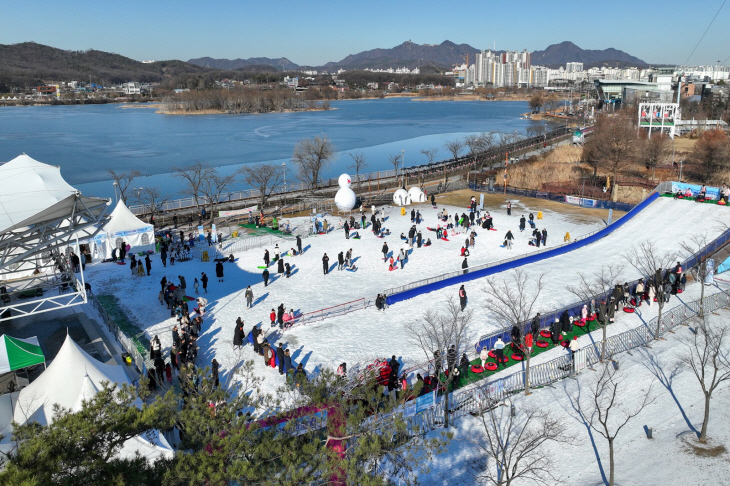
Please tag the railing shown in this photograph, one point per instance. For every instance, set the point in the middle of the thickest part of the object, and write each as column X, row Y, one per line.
column 125, row 341
column 486, row 396
column 447, row 164
column 334, row 311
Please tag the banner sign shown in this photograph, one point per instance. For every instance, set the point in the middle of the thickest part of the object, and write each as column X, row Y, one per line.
column 201, row 233
column 236, row 212
column 424, row 402
column 581, row 201
column 712, row 192
column 214, row 233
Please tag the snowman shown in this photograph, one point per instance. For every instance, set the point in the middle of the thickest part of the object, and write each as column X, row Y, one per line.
column 345, row 198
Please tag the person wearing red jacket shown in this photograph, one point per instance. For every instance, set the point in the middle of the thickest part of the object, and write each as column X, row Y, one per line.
column 462, row 297
column 272, row 316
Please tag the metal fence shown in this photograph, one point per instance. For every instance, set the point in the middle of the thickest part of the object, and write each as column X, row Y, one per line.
column 485, row 396
column 334, row 311
column 125, row 341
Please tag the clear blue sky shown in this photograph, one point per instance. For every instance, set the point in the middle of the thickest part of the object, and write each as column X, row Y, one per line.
column 312, row 33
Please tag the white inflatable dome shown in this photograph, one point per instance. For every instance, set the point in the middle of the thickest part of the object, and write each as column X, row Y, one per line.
column 416, row 195
column 344, row 180
column 401, row 198
column 345, row 199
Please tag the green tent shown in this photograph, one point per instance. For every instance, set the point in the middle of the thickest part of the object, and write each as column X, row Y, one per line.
column 16, row 353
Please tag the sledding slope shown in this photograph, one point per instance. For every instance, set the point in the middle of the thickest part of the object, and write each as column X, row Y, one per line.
column 498, row 267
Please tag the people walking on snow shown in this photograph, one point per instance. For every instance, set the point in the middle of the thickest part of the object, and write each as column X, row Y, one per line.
column 462, row 297
column 265, row 276
column 148, row 263
column 238, row 334
column 464, row 266
column 204, row 280
column 280, row 265
column 340, row 261
column 219, row 271
column 508, row 239
column 346, row 227
column 299, row 244
column 266, row 258
column 249, row 297
column 509, row 208
column 287, row 269
column 522, row 223
column 325, row 263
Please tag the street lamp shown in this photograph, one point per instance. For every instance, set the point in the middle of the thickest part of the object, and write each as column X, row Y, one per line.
column 115, row 191
column 403, row 165
column 283, row 166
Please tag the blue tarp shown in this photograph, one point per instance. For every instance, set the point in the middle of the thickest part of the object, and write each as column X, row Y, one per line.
column 473, row 275
column 724, row 266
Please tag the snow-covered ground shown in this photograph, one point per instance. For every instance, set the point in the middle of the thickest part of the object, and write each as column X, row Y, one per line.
column 363, row 335
column 664, row 460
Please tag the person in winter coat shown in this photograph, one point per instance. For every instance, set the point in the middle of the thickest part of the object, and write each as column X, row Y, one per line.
column 299, row 244
column 325, row 264
column 249, row 297
column 544, row 237
column 287, row 362
column 204, row 280
column 602, row 318
column 238, row 334
column 347, row 230
column 573, row 348
column 565, row 322
column 340, row 260
column 258, row 341
column 148, row 263
column 287, row 270
column 214, row 371
column 280, row 315
column 584, row 313
column 267, row 259
column 464, row 266
column 509, row 208
column 462, row 297
column 394, row 366
column 464, row 365
column 499, row 351
column 535, row 327
column 155, row 348
column 419, row 239
column 484, row 355
column 555, row 331
column 433, row 200
column 402, row 256
column 522, row 223
column 219, row 271
column 516, row 335
column 280, row 263
column 280, row 357
column 384, row 251
column 639, row 292
column 196, row 284
column 610, row 311
column 508, row 239
column 266, row 348
column 451, row 358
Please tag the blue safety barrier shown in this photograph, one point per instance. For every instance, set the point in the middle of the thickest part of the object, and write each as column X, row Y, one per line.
column 509, row 265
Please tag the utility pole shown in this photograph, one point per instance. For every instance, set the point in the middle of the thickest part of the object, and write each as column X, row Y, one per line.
column 506, row 160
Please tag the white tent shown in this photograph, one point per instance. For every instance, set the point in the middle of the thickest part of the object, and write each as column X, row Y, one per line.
column 125, row 226
column 72, row 377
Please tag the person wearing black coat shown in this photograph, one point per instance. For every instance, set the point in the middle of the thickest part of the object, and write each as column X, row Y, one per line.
column 325, row 263
column 522, row 223
column 462, row 297
column 280, row 262
column 602, row 317
column 219, row 271
column 544, row 237
column 299, row 244
column 555, row 332
column 347, row 230
column 413, row 215
column 340, row 260
column 419, row 239
column 287, row 361
column 464, row 266
column 163, row 283
column 238, row 334
column 610, row 311
column 464, row 365
column 451, row 358
column 280, row 357
column 394, row 367
column 266, row 258
column 287, row 270
column 535, row 327
column 148, row 263
column 385, row 251
column 214, row 369
column 565, row 324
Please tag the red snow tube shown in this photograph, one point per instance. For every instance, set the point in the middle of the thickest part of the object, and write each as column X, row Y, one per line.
column 505, row 359
column 491, row 366
column 542, row 344
column 545, row 333
column 654, row 299
column 633, row 301
column 579, row 323
column 565, row 344
column 720, row 202
column 517, row 357
column 477, row 369
column 629, row 309
column 272, row 361
column 679, row 291
column 492, row 354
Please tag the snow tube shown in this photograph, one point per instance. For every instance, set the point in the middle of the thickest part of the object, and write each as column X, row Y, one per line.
column 272, row 361
column 629, row 309
column 654, row 299
column 565, row 344
column 491, row 366
column 517, row 357
column 262, row 267
column 477, row 369
column 286, row 318
column 505, row 359
column 542, row 344
column 579, row 323
column 121, row 263
column 545, row 333
column 492, row 354
column 445, row 239
column 679, row 291
column 633, row 301
column 249, row 338
column 192, row 299
column 720, row 202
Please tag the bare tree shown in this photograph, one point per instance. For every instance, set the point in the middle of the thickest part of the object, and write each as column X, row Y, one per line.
column 264, row 177
column 653, row 151
column 612, row 145
column 454, row 146
column 395, row 162
column 707, row 354
column 123, row 180
column 536, row 102
column 193, row 175
column 692, row 246
column 513, row 299
column 517, row 445
column 311, row 156
column 475, row 144
column 358, row 163
column 607, row 410
column 430, row 154
column 647, row 259
column 150, row 198
column 437, row 332
column 596, row 287
column 213, row 187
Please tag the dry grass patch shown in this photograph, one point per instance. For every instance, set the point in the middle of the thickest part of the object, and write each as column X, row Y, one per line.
column 560, row 164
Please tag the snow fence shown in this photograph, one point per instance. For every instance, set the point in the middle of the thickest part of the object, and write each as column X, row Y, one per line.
column 414, row 289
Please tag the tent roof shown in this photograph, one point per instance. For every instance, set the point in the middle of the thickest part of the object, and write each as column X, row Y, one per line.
column 32, row 192
column 122, row 219
column 71, row 376
column 16, row 353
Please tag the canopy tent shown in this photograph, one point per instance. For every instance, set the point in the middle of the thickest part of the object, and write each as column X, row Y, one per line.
column 16, row 353
column 125, row 226
column 72, row 377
